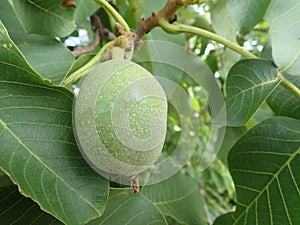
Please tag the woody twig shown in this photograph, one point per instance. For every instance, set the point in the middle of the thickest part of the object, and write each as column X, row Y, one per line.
column 166, row 13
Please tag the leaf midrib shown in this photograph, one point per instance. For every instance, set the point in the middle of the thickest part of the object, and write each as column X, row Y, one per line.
column 46, row 166
column 242, row 92
column 275, row 177
column 46, row 11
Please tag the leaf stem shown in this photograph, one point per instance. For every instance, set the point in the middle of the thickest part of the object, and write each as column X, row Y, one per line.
column 114, row 13
column 181, row 28
column 85, row 68
column 289, row 85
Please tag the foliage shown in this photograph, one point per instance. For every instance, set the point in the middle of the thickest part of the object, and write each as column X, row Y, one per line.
column 253, row 180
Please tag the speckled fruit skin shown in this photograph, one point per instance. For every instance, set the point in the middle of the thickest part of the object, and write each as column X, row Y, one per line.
column 120, row 118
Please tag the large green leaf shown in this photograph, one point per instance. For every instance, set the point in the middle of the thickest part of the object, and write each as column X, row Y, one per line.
column 45, row 17
column 249, row 83
column 19, row 210
column 38, row 149
column 265, row 165
column 46, row 55
column 222, row 21
column 177, row 197
column 247, row 13
column 284, row 18
column 127, row 208
column 285, row 103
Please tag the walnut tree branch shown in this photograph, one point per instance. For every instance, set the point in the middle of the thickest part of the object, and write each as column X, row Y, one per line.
column 165, row 18
column 166, row 13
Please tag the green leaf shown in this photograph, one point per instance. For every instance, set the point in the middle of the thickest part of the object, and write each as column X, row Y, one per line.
column 222, row 21
column 223, row 25
column 46, row 55
column 177, row 197
column 4, row 180
column 131, row 10
column 83, row 10
column 265, row 165
column 285, row 103
column 124, row 207
column 45, row 17
column 247, row 13
column 17, row 209
column 202, row 21
column 38, row 149
column 81, row 61
column 224, row 219
column 249, row 84
column 232, row 134
column 284, row 18
column 263, row 113
column 152, row 5
column 82, row 13
column 153, row 58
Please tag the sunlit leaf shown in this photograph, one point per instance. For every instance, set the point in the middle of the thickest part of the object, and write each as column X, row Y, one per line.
column 222, row 21
column 284, row 18
column 247, row 13
column 45, row 17
column 83, row 10
column 249, row 84
column 45, row 54
column 265, row 165
column 223, row 25
column 82, row 13
column 38, row 149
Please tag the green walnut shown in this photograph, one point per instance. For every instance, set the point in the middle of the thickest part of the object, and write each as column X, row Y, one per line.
column 120, row 117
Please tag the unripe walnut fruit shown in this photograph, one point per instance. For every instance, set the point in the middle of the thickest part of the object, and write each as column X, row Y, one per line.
column 120, row 117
